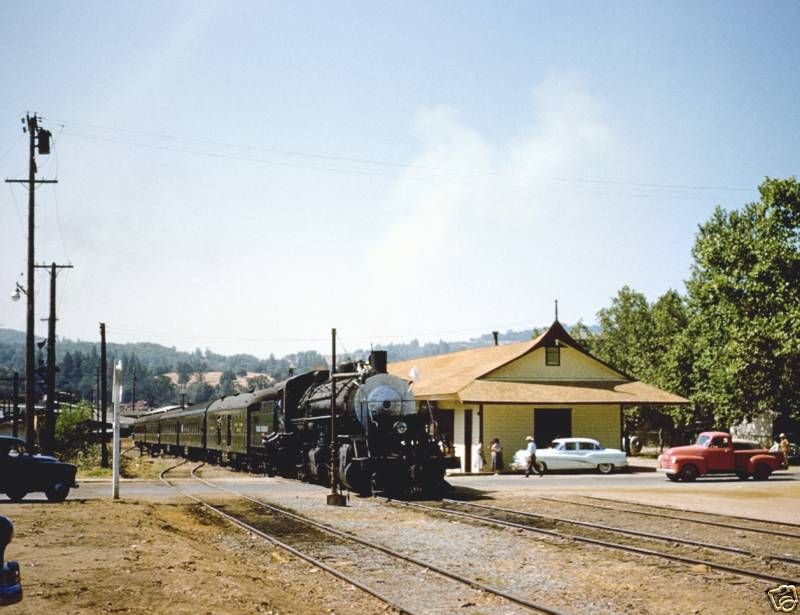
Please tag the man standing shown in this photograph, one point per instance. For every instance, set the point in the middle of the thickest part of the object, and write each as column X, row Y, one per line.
column 783, row 445
column 532, row 458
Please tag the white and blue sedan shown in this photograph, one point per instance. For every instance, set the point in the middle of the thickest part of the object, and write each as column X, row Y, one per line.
column 574, row 454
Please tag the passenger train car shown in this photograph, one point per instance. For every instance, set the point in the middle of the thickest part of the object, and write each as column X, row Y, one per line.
column 382, row 443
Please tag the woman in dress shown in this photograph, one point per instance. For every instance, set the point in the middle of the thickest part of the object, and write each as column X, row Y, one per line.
column 477, row 458
column 497, row 456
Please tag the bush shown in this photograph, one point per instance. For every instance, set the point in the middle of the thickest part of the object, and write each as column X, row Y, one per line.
column 74, row 430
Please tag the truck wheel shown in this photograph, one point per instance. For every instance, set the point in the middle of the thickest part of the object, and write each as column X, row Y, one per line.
column 16, row 495
column 57, row 492
column 674, row 477
column 762, row 472
column 689, row 473
column 605, row 468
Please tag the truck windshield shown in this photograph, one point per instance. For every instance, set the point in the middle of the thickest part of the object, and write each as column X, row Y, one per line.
column 702, row 439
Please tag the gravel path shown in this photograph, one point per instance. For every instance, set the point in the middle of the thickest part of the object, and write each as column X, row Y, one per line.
column 559, row 573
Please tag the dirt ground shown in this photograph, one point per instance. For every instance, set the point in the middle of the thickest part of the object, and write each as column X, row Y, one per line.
column 99, row 556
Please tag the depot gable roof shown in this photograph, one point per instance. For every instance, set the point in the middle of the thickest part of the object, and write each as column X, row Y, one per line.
column 510, row 373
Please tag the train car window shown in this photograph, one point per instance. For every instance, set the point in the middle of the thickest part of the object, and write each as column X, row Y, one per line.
column 229, row 434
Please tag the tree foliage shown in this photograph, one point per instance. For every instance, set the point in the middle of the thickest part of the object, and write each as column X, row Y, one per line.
column 74, row 430
column 744, row 301
column 648, row 342
column 732, row 345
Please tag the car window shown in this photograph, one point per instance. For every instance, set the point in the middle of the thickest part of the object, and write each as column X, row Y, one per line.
column 587, row 446
column 719, row 442
column 703, row 439
column 571, row 446
column 559, row 446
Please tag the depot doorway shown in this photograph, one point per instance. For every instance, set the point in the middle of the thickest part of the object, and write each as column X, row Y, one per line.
column 551, row 423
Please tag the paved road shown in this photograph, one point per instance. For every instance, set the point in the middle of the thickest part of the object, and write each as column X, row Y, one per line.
column 777, row 499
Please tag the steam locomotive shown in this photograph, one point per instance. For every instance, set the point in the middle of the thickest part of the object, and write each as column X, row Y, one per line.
column 382, row 444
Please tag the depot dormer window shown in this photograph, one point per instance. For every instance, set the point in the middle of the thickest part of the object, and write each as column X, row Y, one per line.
column 552, row 355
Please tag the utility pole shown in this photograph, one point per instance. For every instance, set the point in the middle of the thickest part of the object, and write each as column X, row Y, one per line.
column 334, row 497
column 31, row 126
column 97, row 395
column 103, row 397
column 48, row 430
column 15, row 423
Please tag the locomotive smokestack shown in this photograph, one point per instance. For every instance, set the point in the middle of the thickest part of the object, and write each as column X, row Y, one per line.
column 494, row 335
column 377, row 359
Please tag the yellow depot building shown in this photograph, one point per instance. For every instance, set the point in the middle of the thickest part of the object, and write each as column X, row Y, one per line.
column 548, row 387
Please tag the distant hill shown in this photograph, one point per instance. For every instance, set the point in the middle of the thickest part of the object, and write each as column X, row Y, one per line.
column 159, row 368
column 163, row 359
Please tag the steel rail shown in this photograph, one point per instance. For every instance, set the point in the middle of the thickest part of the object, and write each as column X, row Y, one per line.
column 601, row 543
column 432, row 567
column 275, row 541
column 679, row 518
column 686, row 510
column 620, row 530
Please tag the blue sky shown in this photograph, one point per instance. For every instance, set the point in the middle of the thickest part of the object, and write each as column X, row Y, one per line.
column 245, row 176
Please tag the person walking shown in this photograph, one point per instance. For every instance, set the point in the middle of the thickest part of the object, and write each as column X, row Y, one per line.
column 497, row 456
column 532, row 458
column 783, row 445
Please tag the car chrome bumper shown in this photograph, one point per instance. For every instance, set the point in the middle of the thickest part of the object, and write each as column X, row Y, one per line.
column 667, row 470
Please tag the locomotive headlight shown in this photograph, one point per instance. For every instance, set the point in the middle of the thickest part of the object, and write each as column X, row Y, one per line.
column 401, row 427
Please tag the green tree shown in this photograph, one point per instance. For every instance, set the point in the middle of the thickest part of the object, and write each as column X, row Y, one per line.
column 74, row 430
column 744, row 303
column 626, row 333
column 649, row 342
column 581, row 334
column 227, row 383
column 184, row 370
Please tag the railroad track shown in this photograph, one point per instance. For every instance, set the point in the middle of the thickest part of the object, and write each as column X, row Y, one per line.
column 772, row 531
column 448, row 590
column 494, row 515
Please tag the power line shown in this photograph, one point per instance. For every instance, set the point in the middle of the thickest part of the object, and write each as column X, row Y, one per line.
column 607, row 192
column 384, row 163
column 13, row 145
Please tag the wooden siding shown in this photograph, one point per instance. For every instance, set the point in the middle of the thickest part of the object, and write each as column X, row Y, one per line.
column 598, row 422
column 509, row 423
column 574, row 366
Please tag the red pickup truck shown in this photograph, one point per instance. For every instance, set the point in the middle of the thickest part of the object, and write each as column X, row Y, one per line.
column 715, row 452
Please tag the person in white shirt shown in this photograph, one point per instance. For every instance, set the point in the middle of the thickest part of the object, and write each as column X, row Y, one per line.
column 477, row 458
column 496, row 451
column 532, row 459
